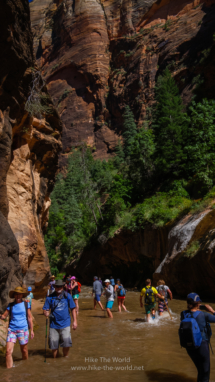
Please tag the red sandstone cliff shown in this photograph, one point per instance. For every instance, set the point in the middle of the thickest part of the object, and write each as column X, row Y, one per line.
column 98, row 56
column 29, row 148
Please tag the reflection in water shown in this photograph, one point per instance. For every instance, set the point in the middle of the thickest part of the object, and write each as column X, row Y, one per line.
column 146, row 352
column 162, row 375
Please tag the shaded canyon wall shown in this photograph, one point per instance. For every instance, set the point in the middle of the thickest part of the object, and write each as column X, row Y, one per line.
column 29, row 147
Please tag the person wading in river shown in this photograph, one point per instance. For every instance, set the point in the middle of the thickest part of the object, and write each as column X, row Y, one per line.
column 59, row 304
column 97, row 289
column 75, row 292
column 20, row 319
column 109, row 293
column 120, row 295
column 164, row 291
column 197, row 342
column 150, row 294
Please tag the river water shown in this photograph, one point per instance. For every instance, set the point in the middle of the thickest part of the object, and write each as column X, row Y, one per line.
column 124, row 348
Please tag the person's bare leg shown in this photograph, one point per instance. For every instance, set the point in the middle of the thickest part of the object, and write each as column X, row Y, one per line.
column 160, row 313
column 77, row 306
column 9, row 352
column 65, row 352
column 119, row 305
column 123, row 306
column 100, row 304
column 147, row 317
column 55, row 353
column 24, row 350
column 109, row 313
column 94, row 303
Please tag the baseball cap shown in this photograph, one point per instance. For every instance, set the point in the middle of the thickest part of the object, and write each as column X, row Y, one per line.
column 73, row 278
column 95, row 278
column 29, row 289
column 107, row 281
column 194, row 296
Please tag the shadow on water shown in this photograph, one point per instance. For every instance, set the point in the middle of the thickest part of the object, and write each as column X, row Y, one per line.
column 41, row 352
column 162, row 375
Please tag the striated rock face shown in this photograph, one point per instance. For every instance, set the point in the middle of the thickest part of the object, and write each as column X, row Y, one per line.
column 10, row 270
column 189, row 264
column 98, row 56
column 29, row 147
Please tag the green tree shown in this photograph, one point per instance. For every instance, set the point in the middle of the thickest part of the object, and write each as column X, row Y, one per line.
column 169, row 124
column 130, row 131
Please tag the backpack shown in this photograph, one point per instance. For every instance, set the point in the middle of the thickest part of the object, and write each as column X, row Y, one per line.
column 149, row 296
column 122, row 292
column 79, row 287
column 189, row 332
column 26, row 311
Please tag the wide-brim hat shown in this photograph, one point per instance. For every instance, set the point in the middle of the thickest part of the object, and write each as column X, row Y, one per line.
column 18, row 290
column 52, row 277
column 59, row 283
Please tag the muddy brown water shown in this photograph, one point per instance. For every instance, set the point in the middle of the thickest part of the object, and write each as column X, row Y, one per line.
column 124, row 348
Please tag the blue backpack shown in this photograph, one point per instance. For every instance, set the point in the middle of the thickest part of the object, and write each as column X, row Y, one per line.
column 189, row 332
column 122, row 292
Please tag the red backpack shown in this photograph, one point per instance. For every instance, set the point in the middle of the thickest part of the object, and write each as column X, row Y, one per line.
column 79, row 287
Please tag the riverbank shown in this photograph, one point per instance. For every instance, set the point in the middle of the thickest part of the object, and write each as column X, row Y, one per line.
column 125, row 347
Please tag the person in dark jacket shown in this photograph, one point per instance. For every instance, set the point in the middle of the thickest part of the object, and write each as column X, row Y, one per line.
column 97, row 289
column 200, row 356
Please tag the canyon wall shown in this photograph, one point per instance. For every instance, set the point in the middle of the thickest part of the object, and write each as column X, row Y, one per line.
column 183, row 254
column 99, row 56
column 29, row 146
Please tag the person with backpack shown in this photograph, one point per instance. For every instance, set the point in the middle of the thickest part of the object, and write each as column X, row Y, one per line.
column 121, row 292
column 109, row 293
column 20, row 320
column 76, row 290
column 97, row 289
column 57, row 307
column 150, row 294
column 51, row 285
column 165, row 292
column 29, row 297
column 67, row 286
column 195, row 333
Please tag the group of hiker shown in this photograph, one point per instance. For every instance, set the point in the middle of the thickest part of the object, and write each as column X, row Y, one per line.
column 194, row 331
column 110, row 291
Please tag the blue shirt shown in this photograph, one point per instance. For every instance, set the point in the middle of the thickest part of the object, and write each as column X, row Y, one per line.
column 29, row 298
column 112, row 281
column 59, row 306
column 18, row 319
column 97, row 287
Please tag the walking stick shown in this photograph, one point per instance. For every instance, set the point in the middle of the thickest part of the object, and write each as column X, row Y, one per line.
column 46, row 336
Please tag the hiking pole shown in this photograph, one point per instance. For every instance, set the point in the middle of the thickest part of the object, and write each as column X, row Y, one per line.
column 168, row 309
column 46, row 336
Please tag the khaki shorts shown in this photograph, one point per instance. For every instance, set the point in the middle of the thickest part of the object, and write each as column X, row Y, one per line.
column 60, row 337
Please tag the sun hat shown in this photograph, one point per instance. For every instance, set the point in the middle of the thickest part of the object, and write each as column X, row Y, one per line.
column 29, row 289
column 73, row 278
column 107, row 281
column 18, row 290
column 194, row 296
column 52, row 277
column 59, row 283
